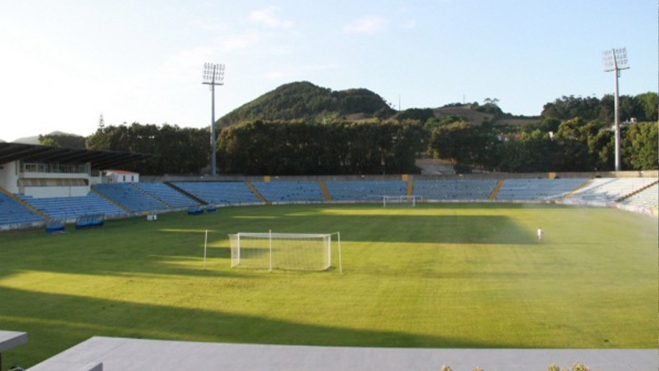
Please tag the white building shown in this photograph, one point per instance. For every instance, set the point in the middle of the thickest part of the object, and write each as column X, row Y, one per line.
column 44, row 171
column 121, row 176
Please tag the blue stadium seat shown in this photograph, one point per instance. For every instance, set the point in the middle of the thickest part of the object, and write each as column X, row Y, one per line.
column 71, row 208
column 130, row 197
column 167, row 194
column 295, row 191
column 220, row 193
column 537, row 189
column 455, row 189
column 605, row 190
column 13, row 213
column 368, row 190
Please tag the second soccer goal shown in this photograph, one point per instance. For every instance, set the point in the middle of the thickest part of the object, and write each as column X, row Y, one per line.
column 287, row 251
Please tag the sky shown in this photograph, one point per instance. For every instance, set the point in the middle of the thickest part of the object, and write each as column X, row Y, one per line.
column 65, row 63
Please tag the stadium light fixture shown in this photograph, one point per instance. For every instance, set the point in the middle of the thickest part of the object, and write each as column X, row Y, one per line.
column 213, row 75
column 616, row 60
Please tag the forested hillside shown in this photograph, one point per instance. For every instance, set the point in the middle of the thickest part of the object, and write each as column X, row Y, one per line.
column 300, row 128
column 308, row 102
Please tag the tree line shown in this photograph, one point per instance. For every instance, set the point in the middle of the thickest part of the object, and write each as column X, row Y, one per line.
column 575, row 145
column 176, row 150
column 573, row 134
column 298, row 148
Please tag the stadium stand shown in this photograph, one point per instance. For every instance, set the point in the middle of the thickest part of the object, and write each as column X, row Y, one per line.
column 296, row 191
column 367, row 190
column 167, row 194
column 13, row 213
column 537, row 189
column 125, row 199
column 454, row 190
column 71, row 208
column 220, row 193
column 646, row 199
column 606, row 190
column 129, row 197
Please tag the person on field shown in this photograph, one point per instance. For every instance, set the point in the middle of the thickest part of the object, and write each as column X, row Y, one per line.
column 539, row 233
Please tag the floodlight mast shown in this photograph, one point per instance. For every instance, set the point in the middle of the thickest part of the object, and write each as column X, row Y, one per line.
column 213, row 75
column 616, row 60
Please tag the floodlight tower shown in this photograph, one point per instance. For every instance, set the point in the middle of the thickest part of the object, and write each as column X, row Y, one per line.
column 213, row 75
column 616, row 60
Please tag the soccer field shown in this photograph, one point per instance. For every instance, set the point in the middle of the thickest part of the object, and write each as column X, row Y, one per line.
column 434, row 275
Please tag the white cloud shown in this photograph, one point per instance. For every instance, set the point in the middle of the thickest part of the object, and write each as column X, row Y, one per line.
column 367, row 25
column 269, row 18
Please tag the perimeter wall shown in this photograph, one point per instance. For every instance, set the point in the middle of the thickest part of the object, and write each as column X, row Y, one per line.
column 267, row 178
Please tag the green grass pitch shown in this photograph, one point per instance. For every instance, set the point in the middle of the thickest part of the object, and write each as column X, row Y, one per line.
column 434, row 275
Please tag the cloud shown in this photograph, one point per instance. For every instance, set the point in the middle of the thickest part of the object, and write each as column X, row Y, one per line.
column 367, row 25
column 269, row 18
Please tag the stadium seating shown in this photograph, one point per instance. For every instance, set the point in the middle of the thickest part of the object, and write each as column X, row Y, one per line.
column 646, row 199
column 13, row 213
column 167, row 194
column 70, row 208
column 606, row 190
column 129, row 197
column 537, row 189
column 628, row 193
column 368, row 190
column 220, row 193
column 290, row 191
column 454, row 190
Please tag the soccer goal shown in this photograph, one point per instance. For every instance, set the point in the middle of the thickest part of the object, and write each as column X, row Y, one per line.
column 288, row 251
column 412, row 199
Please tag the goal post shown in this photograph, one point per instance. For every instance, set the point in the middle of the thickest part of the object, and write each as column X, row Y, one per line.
column 404, row 199
column 286, row 251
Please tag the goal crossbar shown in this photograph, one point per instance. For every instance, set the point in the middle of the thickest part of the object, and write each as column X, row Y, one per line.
column 283, row 235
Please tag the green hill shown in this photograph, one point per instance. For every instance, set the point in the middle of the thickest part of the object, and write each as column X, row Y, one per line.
column 304, row 100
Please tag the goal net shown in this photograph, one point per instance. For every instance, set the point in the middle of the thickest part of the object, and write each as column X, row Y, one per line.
column 388, row 200
column 288, row 251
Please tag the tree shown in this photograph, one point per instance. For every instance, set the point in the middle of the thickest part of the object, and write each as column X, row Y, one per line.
column 176, row 150
column 639, row 146
column 463, row 144
column 648, row 102
column 62, row 140
column 491, row 106
column 296, row 147
column 602, row 150
column 419, row 114
column 573, row 151
column 531, row 152
column 570, row 107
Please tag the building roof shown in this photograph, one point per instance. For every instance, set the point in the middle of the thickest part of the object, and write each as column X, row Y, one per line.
column 36, row 153
column 121, row 354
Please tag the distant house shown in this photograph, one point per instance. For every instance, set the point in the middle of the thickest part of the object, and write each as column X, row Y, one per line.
column 121, row 176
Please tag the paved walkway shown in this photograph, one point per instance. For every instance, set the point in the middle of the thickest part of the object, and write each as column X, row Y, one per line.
column 10, row 339
column 118, row 354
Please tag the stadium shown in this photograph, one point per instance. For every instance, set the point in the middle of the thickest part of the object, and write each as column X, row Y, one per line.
column 420, row 271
